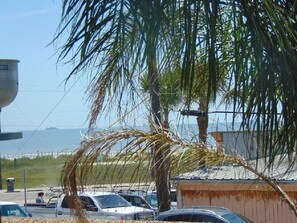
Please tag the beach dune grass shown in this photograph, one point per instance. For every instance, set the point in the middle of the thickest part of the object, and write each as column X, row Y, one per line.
column 43, row 170
column 46, row 171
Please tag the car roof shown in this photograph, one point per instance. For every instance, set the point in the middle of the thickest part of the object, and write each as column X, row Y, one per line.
column 7, row 203
column 214, row 210
column 219, row 212
column 95, row 193
column 136, row 192
column 187, row 211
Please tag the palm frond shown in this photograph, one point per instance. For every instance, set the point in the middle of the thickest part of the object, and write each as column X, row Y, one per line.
column 179, row 156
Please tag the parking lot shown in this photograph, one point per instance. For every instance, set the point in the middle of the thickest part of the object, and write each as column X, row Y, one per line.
column 18, row 195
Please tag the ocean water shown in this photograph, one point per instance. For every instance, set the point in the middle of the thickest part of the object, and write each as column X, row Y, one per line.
column 43, row 141
column 67, row 140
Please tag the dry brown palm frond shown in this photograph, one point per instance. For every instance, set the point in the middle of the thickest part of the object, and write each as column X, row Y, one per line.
column 182, row 157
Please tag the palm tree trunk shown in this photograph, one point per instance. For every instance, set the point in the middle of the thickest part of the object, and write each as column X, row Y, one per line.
column 202, row 122
column 161, row 172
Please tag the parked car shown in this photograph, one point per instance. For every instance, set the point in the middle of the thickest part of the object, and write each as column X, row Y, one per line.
column 139, row 198
column 203, row 214
column 8, row 209
column 145, row 199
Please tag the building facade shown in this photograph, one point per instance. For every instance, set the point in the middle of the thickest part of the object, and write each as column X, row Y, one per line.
column 232, row 187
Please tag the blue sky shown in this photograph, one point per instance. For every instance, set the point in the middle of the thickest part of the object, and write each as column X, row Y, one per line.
column 27, row 27
column 43, row 100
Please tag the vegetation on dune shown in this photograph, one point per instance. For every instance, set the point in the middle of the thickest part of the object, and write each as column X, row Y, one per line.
column 46, row 170
column 40, row 170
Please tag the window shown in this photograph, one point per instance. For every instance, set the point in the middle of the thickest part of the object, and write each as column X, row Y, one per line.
column 173, row 196
column 234, row 218
column 85, row 201
column 68, row 202
column 152, row 200
column 12, row 210
column 193, row 218
column 111, row 201
column 137, row 201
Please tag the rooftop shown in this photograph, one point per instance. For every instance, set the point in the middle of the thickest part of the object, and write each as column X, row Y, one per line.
column 227, row 172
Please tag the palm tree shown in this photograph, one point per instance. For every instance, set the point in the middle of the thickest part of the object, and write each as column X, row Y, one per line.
column 120, row 38
column 260, row 56
column 199, row 95
column 254, row 40
column 170, row 93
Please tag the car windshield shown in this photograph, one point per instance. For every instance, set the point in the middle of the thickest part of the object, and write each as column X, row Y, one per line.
column 234, row 218
column 12, row 210
column 152, row 200
column 111, row 201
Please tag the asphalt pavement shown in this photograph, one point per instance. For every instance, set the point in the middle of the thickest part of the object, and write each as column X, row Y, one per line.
column 19, row 196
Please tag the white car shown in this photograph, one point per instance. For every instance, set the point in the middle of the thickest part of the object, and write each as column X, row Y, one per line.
column 97, row 205
column 12, row 209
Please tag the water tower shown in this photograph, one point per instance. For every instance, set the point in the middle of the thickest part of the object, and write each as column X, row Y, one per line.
column 8, row 90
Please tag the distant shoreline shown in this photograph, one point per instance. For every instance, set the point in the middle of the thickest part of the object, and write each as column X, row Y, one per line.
column 51, row 128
